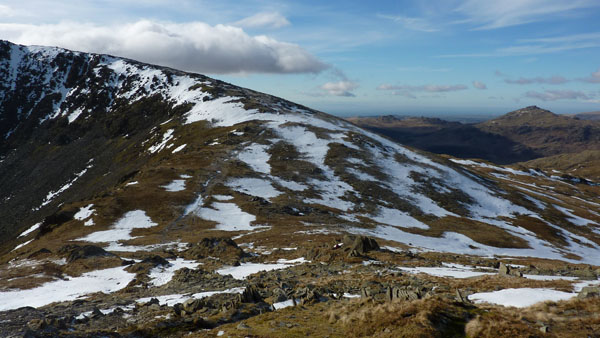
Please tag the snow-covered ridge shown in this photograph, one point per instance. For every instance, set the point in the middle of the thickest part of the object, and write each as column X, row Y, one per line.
column 312, row 134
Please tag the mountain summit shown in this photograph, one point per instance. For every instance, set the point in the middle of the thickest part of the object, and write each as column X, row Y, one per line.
column 117, row 161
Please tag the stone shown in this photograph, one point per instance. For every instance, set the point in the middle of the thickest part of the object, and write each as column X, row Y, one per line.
column 76, row 252
column 242, row 326
column 191, row 305
column 589, row 292
column 251, row 295
column 462, row 296
column 503, row 269
column 224, row 248
column 361, row 244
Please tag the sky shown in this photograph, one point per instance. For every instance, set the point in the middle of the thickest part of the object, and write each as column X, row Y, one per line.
column 348, row 58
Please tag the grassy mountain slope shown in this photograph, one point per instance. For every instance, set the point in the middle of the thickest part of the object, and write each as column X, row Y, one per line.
column 123, row 182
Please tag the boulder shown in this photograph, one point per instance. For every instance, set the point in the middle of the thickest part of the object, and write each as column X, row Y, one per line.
column 75, row 252
column 359, row 244
column 223, row 248
column 589, row 292
column 251, row 295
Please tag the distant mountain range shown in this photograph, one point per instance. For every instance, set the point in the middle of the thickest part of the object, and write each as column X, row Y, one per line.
column 518, row 136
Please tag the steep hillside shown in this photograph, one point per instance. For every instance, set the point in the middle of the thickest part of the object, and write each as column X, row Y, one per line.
column 131, row 192
column 585, row 164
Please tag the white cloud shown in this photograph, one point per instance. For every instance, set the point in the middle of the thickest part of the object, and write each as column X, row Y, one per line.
column 593, row 78
column 553, row 95
column 193, row 46
column 6, row 11
column 415, row 24
column 409, row 90
column 263, row 20
column 424, row 88
column 479, row 85
column 540, row 46
column 499, row 14
column 553, row 80
column 340, row 88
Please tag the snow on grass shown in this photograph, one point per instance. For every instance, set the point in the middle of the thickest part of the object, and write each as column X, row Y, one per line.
column 503, row 169
column 167, row 136
column 107, row 281
column 539, row 204
column 176, row 185
column 52, row 194
column 194, row 206
column 246, row 269
column 545, row 277
column 315, row 149
column 30, row 230
column 294, row 186
column 574, row 218
column 22, row 245
column 222, row 111
column 397, row 218
column 453, row 272
column 222, row 197
column 115, row 246
column 286, row 303
column 229, row 217
column 256, row 157
column 254, row 186
column 461, row 244
column 161, row 275
column 121, row 230
column 84, row 212
column 361, row 175
column 520, row 298
column 173, row 299
column 292, row 261
column 178, row 149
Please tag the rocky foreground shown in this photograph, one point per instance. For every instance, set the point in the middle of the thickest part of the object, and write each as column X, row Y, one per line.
column 346, row 286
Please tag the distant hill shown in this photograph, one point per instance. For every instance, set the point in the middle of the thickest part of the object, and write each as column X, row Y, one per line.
column 593, row 116
column 544, row 132
column 521, row 135
column 452, row 138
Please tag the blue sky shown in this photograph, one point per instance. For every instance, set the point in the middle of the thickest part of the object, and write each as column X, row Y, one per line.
column 348, row 57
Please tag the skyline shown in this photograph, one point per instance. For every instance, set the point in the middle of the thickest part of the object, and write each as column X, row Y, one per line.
column 348, row 58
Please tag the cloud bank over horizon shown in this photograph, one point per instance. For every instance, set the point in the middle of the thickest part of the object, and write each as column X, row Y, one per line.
column 190, row 46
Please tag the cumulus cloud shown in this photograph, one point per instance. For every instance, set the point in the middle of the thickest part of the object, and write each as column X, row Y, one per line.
column 263, row 20
column 193, row 46
column 554, row 80
column 479, row 85
column 553, row 95
column 593, row 78
column 340, row 88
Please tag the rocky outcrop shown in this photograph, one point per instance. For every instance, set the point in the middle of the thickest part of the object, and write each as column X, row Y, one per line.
column 220, row 247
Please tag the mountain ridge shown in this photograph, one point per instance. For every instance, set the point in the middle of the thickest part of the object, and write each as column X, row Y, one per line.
column 148, row 201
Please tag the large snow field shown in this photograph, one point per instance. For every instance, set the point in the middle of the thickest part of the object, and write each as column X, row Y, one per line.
column 229, row 217
column 246, row 269
column 161, row 275
column 522, row 297
column 107, row 281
